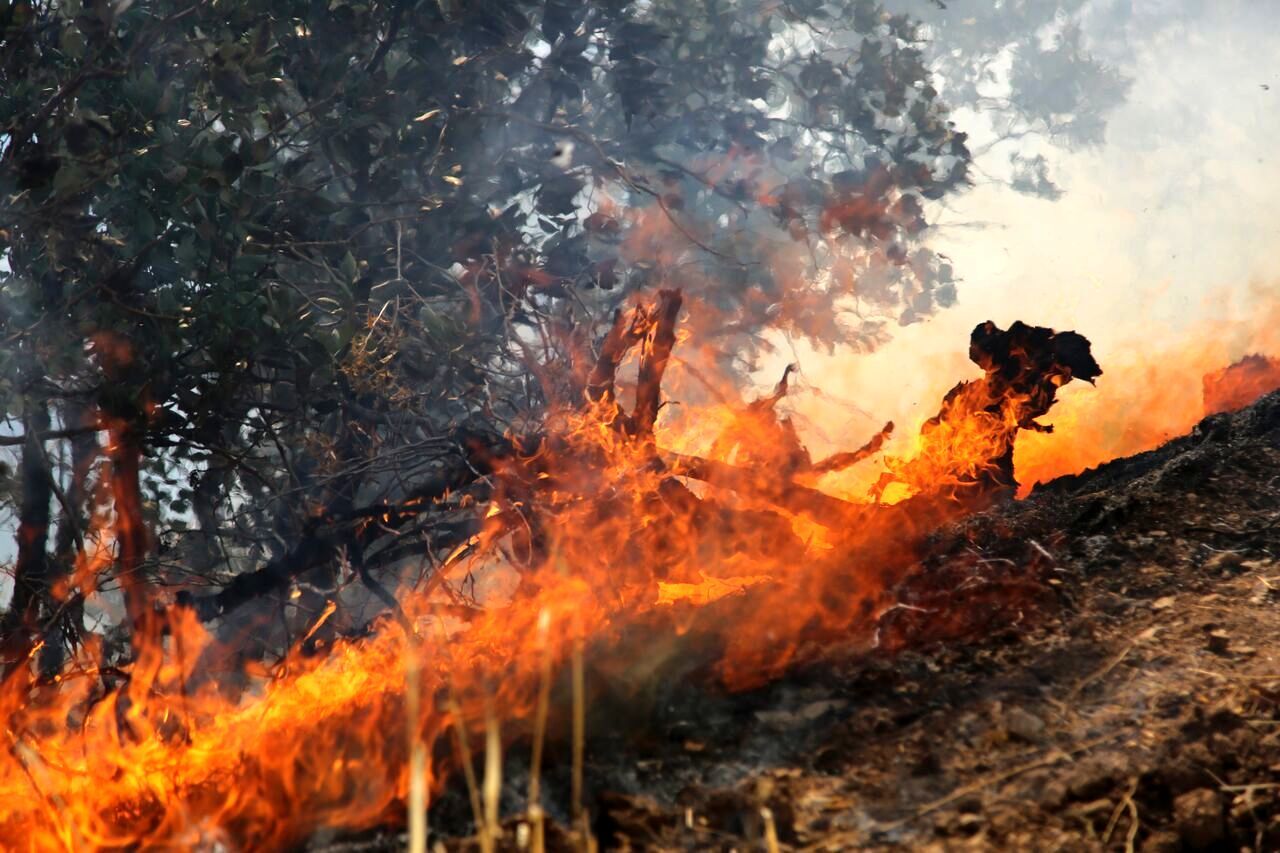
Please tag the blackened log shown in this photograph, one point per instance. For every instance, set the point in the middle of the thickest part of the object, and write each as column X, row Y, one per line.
column 125, row 453
column 48, row 435
column 66, row 628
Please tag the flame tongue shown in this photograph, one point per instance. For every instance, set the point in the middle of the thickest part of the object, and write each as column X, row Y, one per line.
column 593, row 525
column 1239, row 384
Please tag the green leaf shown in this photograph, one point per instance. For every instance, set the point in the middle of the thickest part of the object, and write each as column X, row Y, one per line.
column 145, row 226
column 185, row 253
column 249, row 264
column 68, row 179
column 71, row 41
column 350, row 269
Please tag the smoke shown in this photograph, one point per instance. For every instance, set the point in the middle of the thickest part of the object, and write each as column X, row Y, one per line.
column 1161, row 241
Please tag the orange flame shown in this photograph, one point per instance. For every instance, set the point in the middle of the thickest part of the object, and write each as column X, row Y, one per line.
column 592, row 529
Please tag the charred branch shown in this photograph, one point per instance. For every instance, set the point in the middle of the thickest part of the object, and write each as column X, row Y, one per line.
column 766, row 485
column 627, row 330
column 329, row 531
column 656, row 351
column 125, row 453
column 840, row 461
column 48, row 435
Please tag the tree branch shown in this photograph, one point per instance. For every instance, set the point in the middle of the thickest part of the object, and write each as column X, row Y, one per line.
column 49, row 435
column 838, row 461
column 819, row 506
column 627, row 330
column 658, row 343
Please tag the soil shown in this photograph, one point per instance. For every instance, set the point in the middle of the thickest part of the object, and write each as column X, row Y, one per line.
column 1114, row 684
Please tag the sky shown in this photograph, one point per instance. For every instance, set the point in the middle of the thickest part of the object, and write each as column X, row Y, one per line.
column 1163, row 233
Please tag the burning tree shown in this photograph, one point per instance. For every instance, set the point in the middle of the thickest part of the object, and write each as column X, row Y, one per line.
column 293, row 251
column 316, row 317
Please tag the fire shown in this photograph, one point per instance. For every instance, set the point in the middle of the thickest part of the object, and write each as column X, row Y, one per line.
column 611, row 513
column 1239, row 384
column 707, row 590
column 1154, row 393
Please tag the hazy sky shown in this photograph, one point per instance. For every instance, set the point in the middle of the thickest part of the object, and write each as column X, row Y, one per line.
column 1174, row 219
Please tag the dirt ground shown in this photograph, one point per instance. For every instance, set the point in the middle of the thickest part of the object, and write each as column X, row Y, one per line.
column 1123, row 692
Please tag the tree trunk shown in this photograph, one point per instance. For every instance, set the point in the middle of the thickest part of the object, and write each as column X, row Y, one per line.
column 131, row 529
column 30, row 575
column 68, row 627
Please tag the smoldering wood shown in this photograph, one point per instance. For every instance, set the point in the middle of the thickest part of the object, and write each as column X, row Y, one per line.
column 31, row 567
column 516, row 465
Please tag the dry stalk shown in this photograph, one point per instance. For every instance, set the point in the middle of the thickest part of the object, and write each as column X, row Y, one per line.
column 537, row 830
column 492, row 778
column 1111, row 664
column 1126, row 803
column 1053, row 756
column 579, row 725
column 539, row 734
column 770, row 830
column 1235, row 676
column 417, row 753
column 1132, row 835
column 579, row 746
column 464, row 751
column 454, row 709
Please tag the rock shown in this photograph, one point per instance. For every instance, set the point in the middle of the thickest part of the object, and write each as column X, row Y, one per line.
column 1224, row 718
column 1199, row 820
column 783, row 719
column 1053, row 795
column 1094, row 777
column 1186, row 770
column 1095, row 547
column 1223, row 562
column 1024, row 725
column 1218, row 641
column 1162, row 842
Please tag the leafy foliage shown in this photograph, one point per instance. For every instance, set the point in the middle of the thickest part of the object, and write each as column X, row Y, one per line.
column 296, row 245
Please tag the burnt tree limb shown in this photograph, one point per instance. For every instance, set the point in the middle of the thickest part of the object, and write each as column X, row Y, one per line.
column 627, row 330
column 326, row 533
column 766, row 485
column 480, row 455
column 840, row 461
column 49, row 435
column 655, row 352
column 125, row 453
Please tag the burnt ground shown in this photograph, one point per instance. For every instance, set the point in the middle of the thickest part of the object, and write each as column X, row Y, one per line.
column 1102, row 673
